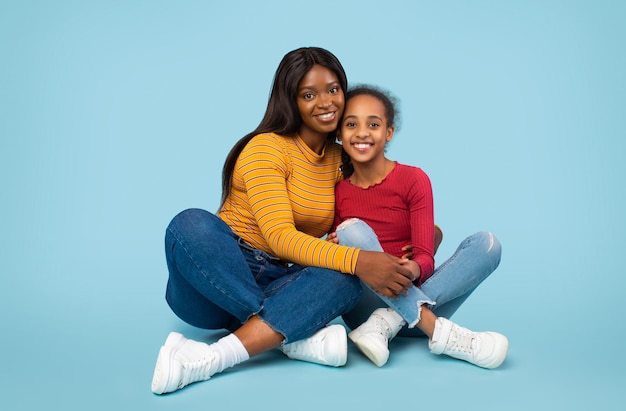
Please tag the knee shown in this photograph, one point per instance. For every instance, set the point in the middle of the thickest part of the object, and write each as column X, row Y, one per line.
column 186, row 218
column 195, row 226
column 349, row 222
column 490, row 246
column 193, row 220
column 356, row 233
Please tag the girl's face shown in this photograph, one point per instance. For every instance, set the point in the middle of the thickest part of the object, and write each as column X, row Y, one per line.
column 320, row 102
column 364, row 130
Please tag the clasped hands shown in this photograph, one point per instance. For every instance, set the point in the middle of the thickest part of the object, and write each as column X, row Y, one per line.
column 386, row 274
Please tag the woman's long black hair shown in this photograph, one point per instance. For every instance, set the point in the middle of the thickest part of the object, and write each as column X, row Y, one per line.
column 282, row 115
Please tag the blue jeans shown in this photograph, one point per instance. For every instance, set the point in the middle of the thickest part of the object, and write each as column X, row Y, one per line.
column 217, row 281
column 444, row 292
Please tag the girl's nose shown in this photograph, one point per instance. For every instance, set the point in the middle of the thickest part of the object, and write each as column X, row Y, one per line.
column 362, row 132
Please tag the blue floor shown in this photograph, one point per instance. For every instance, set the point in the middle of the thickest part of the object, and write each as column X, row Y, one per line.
column 114, row 116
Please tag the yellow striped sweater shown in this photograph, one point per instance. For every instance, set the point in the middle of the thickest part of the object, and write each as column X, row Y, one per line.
column 283, row 199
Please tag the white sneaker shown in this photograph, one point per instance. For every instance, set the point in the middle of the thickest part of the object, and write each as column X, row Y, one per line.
column 373, row 336
column 484, row 349
column 181, row 362
column 328, row 346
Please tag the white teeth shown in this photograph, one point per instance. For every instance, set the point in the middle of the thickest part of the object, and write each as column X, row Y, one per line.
column 325, row 116
column 361, row 146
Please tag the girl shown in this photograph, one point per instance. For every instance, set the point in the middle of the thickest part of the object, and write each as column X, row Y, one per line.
column 258, row 268
column 395, row 202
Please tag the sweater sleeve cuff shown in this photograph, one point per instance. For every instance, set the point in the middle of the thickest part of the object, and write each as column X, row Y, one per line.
column 426, row 267
column 352, row 259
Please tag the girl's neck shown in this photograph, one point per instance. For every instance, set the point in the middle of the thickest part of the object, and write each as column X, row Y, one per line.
column 368, row 174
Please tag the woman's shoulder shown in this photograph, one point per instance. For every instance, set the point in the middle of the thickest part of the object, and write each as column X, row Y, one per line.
column 267, row 141
column 265, row 138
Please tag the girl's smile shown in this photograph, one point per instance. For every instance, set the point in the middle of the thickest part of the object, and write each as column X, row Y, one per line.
column 365, row 130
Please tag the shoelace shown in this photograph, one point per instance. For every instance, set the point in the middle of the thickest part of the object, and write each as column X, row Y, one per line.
column 461, row 340
column 382, row 327
column 197, row 370
column 377, row 325
column 313, row 348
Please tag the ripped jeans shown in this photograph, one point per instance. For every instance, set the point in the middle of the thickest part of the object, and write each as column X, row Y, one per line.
column 449, row 286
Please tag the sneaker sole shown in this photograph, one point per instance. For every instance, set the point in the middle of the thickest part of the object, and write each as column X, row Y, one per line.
column 163, row 364
column 342, row 342
column 502, row 347
column 373, row 353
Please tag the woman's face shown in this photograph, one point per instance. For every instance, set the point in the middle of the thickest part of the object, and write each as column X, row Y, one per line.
column 320, row 102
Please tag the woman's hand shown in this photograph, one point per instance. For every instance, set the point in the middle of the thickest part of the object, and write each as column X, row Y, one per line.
column 387, row 275
column 332, row 237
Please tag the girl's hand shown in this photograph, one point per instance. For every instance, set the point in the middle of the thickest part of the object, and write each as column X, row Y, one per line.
column 387, row 275
column 332, row 237
column 408, row 249
column 414, row 267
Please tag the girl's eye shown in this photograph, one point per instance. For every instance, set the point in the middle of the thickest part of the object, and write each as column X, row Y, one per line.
column 308, row 96
column 374, row 125
column 350, row 124
column 334, row 90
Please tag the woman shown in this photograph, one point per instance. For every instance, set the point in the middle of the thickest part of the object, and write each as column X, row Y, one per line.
column 259, row 268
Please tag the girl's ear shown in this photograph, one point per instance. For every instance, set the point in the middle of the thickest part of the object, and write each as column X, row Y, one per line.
column 390, row 131
column 339, row 136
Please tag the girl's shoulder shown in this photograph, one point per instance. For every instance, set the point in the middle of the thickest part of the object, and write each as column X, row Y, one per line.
column 406, row 170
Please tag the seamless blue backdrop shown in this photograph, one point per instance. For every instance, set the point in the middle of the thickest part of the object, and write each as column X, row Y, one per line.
column 115, row 115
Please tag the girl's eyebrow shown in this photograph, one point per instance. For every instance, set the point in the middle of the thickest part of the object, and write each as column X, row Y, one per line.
column 368, row 117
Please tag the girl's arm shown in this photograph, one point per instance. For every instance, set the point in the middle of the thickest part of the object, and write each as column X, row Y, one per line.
column 264, row 170
column 420, row 197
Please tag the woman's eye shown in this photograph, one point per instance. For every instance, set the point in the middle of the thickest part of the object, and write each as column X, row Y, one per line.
column 334, row 90
column 308, row 96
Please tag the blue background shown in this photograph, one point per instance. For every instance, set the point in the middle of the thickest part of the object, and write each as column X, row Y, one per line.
column 115, row 115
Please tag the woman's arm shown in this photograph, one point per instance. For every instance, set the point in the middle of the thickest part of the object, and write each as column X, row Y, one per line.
column 265, row 170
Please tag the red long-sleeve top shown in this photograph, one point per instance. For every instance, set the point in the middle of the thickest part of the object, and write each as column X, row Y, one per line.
column 399, row 209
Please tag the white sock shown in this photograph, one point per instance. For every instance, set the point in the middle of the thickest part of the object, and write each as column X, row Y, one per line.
column 230, row 352
column 436, row 332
